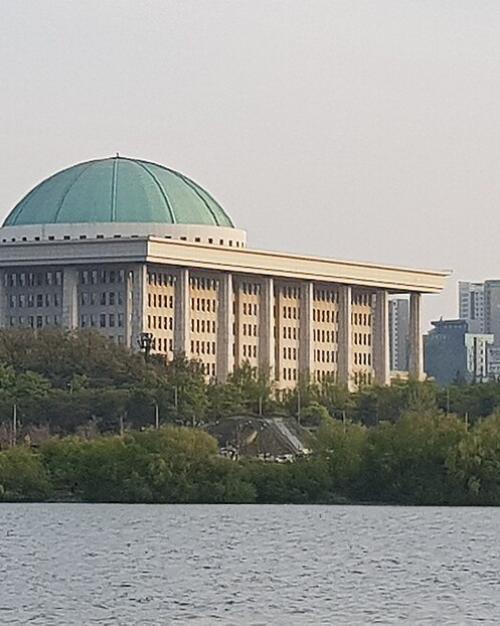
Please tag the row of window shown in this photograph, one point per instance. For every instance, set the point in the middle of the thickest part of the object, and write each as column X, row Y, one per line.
column 160, row 300
column 203, row 283
column 203, row 304
column 35, row 321
column 362, row 319
column 158, row 322
column 160, row 279
column 203, row 326
column 250, row 308
column 291, row 312
column 249, row 330
column 325, row 356
column 32, row 279
column 96, row 277
column 31, row 300
column 202, row 347
column 290, row 353
column 362, row 358
column 289, row 373
column 162, row 344
column 93, row 298
column 362, row 378
column 249, row 351
column 362, row 339
column 325, row 336
column 328, row 316
column 289, row 332
column 250, row 288
column 290, row 292
column 322, row 375
column 325, row 295
column 103, row 320
column 362, row 299
column 208, row 369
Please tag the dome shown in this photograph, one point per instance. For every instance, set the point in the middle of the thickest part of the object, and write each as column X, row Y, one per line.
column 118, row 190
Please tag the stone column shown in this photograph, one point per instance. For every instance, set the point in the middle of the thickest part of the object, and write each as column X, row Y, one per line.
column 266, row 328
column 381, row 356
column 345, row 336
column 415, row 357
column 306, row 351
column 182, row 313
column 137, row 281
column 70, row 298
column 225, row 359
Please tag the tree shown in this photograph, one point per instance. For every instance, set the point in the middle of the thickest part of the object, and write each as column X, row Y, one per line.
column 254, row 387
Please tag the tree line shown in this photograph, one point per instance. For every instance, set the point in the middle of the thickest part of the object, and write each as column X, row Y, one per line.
column 118, row 427
column 423, row 458
column 80, row 382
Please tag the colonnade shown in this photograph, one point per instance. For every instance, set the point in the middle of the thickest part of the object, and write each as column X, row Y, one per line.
column 135, row 316
column 266, row 329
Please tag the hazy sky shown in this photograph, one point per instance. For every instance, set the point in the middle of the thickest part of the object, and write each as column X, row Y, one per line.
column 365, row 130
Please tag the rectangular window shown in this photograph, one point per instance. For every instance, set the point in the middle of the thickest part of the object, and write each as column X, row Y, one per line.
column 102, row 320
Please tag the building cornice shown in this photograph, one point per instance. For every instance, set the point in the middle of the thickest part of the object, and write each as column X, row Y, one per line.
column 221, row 258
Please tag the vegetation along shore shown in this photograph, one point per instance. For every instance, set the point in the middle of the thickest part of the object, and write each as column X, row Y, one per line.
column 84, row 420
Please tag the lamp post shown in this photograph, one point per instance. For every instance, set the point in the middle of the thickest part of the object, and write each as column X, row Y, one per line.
column 145, row 342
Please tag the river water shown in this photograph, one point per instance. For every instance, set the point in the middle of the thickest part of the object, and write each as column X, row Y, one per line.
column 79, row 564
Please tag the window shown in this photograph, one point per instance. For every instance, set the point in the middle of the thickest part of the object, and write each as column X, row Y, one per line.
column 102, row 320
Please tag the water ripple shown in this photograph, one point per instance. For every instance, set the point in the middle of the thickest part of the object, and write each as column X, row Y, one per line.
column 252, row 565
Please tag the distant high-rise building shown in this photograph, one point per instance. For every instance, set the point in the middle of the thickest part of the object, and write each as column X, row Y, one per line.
column 471, row 305
column 492, row 309
column 479, row 306
column 399, row 329
column 452, row 353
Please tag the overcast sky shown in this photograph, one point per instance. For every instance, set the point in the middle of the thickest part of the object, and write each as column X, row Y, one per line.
column 365, row 130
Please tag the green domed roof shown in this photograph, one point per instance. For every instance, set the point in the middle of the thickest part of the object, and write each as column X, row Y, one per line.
column 118, row 190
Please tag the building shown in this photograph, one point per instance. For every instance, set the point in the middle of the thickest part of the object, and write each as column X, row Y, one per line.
column 144, row 254
column 399, row 333
column 479, row 305
column 471, row 305
column 452, row 353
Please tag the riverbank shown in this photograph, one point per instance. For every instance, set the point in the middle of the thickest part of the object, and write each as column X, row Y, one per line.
column 429, row 459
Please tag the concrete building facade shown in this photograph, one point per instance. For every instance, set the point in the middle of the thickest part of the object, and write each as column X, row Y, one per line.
column 453, row 354
column 140, row 252
column 399, row 329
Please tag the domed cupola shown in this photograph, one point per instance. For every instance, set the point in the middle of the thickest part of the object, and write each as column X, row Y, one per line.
column 120, row 197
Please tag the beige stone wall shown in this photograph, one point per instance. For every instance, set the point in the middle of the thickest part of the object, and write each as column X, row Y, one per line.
column 288, row 327
column 362, row 336
column 325, row 332
column 246, row 309
column 159, row 309
column 287, row 332
column 203, row 299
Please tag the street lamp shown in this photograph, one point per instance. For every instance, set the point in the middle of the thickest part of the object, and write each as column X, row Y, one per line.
column 145, row 342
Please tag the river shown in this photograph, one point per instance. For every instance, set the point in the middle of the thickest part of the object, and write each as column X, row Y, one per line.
column 83, row 564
